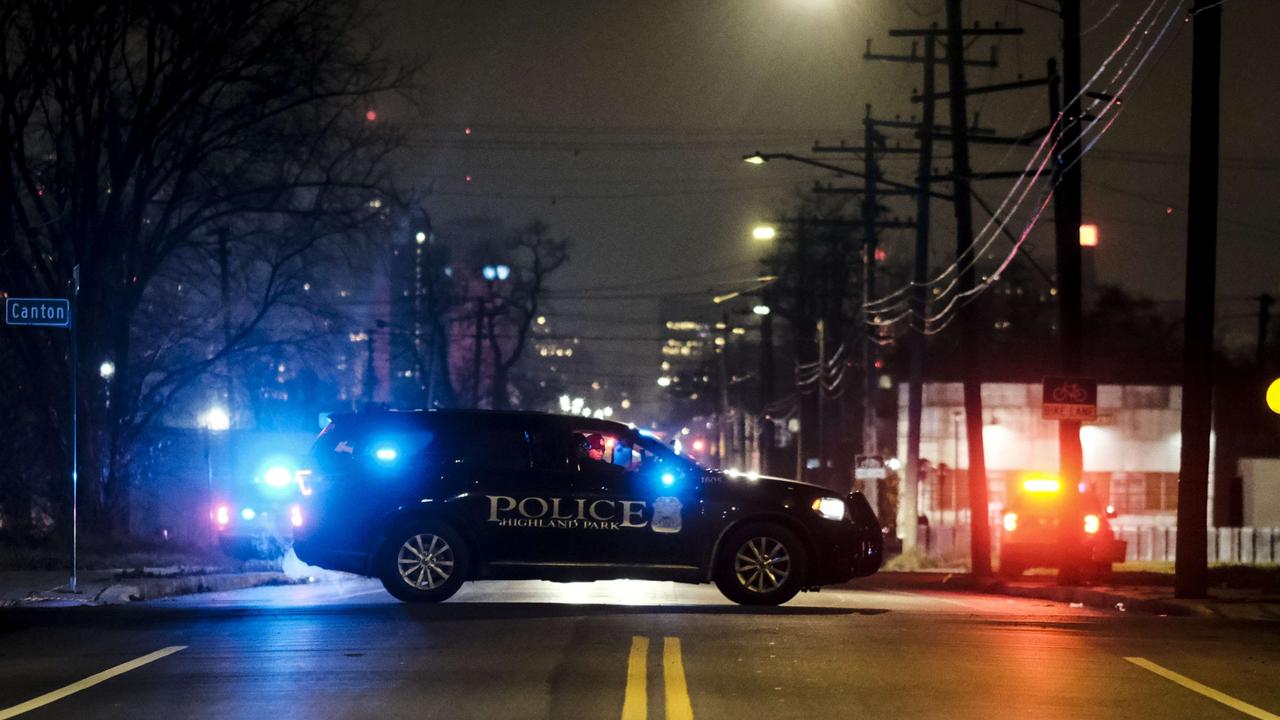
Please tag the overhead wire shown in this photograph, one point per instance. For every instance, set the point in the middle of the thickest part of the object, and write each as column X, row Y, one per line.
column 963, row 263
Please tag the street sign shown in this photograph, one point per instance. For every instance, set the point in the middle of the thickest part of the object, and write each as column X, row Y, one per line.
column 41, row 312
column 1068, row 398
column 869, row 467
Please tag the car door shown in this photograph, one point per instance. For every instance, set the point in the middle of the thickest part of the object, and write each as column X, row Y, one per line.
column 638, row 509
column 512, row 507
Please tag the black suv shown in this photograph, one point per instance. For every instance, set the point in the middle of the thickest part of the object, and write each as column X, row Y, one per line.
column 426, row 500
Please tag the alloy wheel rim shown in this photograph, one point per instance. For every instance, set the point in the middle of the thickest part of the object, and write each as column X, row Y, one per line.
column 425, row 561
column 762, row 564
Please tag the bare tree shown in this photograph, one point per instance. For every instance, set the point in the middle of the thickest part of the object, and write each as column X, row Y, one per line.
column 535, row 255
column 192, row 158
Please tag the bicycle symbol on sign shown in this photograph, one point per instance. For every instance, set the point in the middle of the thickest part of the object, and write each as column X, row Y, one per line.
column 1070, row 393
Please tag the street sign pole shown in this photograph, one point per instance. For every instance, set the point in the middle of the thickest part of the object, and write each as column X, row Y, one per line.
column 74, row 328
column 57, row 313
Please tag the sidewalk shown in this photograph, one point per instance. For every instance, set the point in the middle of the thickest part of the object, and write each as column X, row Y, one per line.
column 49, row 588
column 1118, row 595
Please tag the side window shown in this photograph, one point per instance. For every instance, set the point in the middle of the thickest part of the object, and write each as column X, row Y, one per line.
column 593, row 448
column 547, row 450
column 494, row 449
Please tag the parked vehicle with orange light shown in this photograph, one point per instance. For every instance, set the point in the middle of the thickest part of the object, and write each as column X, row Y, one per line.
column 1031, row 536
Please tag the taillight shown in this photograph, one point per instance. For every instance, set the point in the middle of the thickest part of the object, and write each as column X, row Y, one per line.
column 1092, row 524
column 222, row 515
column 1010, row 521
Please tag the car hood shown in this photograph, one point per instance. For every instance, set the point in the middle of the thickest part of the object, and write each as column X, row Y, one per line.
column 771, row 482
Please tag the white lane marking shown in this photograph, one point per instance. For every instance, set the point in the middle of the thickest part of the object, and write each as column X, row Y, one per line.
column 88, row 682
column 949, row 601
column 1186, row 682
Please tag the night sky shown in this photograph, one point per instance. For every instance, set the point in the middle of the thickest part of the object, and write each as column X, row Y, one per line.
column 624, row 124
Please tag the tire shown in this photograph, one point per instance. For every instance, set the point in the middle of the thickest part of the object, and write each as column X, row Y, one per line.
column 761, row 564
column 404, row 573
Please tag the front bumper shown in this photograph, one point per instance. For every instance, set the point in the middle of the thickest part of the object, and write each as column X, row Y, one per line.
column 845, row 550
column 1049, row 554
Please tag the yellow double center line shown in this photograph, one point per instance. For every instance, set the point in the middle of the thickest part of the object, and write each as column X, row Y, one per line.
column 635, row 705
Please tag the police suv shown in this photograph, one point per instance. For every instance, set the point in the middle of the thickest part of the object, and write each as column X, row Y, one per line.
column 426, row 500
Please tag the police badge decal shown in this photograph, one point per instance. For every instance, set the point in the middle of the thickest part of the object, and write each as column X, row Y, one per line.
column 666, row 515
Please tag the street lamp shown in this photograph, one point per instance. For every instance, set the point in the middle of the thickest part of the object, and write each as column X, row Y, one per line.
column 764, row 232
column 215, row 419
column 1273, row 396
column 755, row 159
column 761, row 310
column 496, row 272
column 107, row 370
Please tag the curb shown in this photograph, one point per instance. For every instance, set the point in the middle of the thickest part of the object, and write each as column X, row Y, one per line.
column 154, row 588
column 128, row 591
column 1102, row 599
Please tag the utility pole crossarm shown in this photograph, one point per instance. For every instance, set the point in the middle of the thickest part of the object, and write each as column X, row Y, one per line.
column 941, row 33
column 985, row 89
column 830, row 189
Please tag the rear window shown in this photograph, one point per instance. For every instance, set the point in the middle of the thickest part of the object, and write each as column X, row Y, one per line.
column 384, row 439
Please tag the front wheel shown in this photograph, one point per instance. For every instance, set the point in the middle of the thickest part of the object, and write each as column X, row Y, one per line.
column 761, row 564
column 423, row 562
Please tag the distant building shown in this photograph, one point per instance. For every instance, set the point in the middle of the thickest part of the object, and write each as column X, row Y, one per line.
column 1131, row 454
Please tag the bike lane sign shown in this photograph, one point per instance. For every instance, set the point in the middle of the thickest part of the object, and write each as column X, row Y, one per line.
column 1070, row 398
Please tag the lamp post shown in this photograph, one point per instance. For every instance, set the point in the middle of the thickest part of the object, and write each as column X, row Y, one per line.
column 212, row 420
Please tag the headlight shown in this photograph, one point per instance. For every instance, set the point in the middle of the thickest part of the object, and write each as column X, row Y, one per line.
column 830, row 508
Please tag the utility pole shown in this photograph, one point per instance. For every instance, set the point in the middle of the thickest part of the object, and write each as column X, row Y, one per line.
column 477, row 353
column 1191, row 567
column 822, row 396
column 1068, row 212
column 767, row 388
column 722, row 400
column 1265, row 302
column 870, row 243
column 927, row 131
column 980, row 535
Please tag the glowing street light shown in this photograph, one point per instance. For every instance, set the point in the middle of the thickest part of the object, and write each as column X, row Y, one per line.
column 107, row 370
column 764, row 232
column 215, row 419
column 755, row 159
column 1273, row 396
column 1088, row 236
column 761, row 310
column 496, row 272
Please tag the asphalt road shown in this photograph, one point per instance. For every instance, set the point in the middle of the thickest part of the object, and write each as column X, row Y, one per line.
column 626, row 650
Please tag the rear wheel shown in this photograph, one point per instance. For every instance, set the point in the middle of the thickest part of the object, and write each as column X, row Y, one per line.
column 423, row 562
column 761, row 564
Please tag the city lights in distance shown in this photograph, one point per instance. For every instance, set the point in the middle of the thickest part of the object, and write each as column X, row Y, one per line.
column 496, row 272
